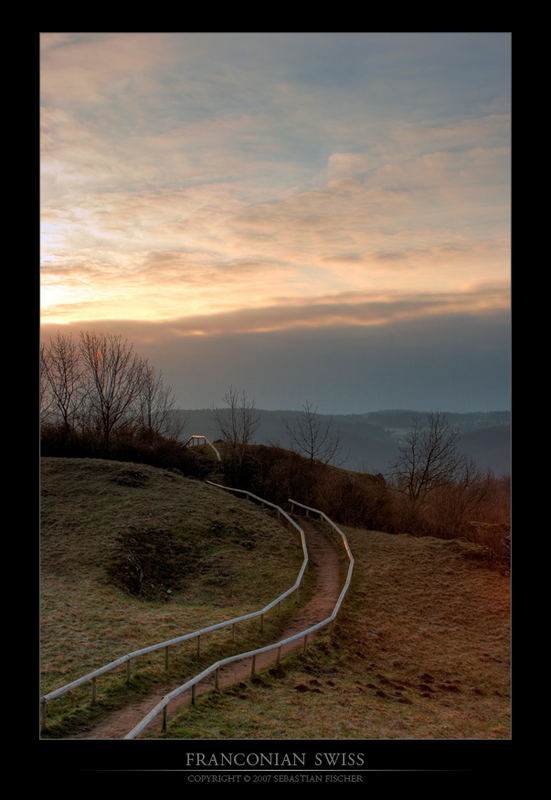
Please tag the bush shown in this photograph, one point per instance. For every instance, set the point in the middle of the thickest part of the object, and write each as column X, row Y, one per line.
column 66, row 442
column 142, row 448
column 152, row 563
column 277, row 475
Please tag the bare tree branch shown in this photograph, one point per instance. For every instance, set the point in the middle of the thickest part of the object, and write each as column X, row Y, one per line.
column 61, row 378
column 313, row 438
column 116, row 378
column 238, row 422
column 428, row 458
column 156, row 404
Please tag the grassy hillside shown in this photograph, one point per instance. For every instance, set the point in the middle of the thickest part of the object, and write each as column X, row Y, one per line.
column 97, row 517
column 420, row 651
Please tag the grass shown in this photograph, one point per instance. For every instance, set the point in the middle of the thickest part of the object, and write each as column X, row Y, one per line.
column 420, row 651
column 86, row 620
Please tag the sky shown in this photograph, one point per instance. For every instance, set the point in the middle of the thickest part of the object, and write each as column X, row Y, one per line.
column 319, row 217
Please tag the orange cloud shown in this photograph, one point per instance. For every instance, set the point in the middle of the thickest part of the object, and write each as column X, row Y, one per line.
column 176, row 183
column 347, row 309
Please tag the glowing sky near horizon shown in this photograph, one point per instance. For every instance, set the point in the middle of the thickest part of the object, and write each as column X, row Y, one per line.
column 209, row 184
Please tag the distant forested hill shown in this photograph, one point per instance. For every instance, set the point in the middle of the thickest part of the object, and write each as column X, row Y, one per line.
column 369, row 441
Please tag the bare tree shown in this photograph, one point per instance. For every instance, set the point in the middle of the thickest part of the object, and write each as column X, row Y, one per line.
column 428, row 459
column 237, row 423
column 239, row 420
column 115, row 380
column 61, row 378
column 46, row 397
column 156, row 405
column 313, row 437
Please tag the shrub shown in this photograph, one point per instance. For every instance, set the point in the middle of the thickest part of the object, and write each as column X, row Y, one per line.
column 151, row 563
column 131, row 445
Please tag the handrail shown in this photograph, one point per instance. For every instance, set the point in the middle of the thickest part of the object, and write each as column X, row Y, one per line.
column 200, row 436
column 91, row 676
column 330, row 522
column 163, row 703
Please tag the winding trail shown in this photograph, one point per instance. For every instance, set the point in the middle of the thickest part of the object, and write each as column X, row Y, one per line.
column 324, row 560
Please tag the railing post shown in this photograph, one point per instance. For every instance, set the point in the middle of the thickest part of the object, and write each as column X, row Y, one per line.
column 278, row 646
column 43, row 716
column 233, row 632
column 127, row 659
column 163, row 728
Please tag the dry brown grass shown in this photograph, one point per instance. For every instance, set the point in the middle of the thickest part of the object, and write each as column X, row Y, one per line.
column 86, row 621
column 420, row 651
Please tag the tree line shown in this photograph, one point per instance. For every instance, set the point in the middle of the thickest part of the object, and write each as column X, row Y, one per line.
column 99, row 397
column 432, row 489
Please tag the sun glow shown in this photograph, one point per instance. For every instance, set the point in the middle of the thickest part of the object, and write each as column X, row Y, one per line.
column 57, row 295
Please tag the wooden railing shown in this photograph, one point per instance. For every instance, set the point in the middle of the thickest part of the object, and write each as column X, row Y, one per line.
column 161, row 707
column 126, row 659
column 198, row 437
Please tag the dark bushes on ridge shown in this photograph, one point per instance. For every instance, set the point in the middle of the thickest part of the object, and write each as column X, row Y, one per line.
column 157, row 451
column 369, row 501
column 478, row 513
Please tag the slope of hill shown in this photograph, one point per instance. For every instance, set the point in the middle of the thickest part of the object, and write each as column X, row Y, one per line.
column 105, row 523
column 369, row 442
column 421, row 650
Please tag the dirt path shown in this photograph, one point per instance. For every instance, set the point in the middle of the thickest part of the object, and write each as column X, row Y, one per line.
column 324, row 560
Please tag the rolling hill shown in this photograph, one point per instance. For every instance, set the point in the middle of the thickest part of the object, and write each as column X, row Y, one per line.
column 105, row 523
column 369, row 441
column 421, row 648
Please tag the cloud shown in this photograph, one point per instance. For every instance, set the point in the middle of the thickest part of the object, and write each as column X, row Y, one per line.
column 87, row 69
column 347, row 309
column 227, row 184
column 447, row 361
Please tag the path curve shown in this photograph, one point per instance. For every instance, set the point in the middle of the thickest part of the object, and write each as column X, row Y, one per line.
column 324, row 560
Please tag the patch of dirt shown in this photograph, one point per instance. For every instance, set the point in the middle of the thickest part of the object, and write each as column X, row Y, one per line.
column 324, row 560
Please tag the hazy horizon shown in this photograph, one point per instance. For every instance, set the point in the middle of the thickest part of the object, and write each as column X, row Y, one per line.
column 356, row 413
column 455, row 365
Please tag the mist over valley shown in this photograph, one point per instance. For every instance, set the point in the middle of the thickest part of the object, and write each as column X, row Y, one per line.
column 369, row 442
